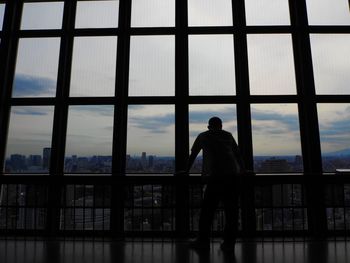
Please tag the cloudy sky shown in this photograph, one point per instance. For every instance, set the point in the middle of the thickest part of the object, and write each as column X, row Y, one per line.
column 152, row 73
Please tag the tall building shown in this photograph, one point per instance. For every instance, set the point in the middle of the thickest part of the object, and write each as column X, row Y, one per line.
column 46, row 158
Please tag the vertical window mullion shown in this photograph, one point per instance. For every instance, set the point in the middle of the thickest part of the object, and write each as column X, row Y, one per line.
column 120, row 118
column 308, row 119
column 181, row 114
column 8, row 54
column 60, row 116
column 244, row 126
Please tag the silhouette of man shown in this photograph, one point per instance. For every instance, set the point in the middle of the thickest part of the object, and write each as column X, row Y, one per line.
column 222, row 165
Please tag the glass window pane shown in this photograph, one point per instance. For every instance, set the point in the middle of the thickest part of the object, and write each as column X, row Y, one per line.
column 29, row 139
column 2, row 12
column 271, row 65
column 36, row 68
column 153, row 13
column 93, row 66
column 209, row 13
column 211, row 65
column 151, row 139
column 152, row 66
column 276, row 138
column 89, row 139
column 42, row 15
column 198, row 122
column 334, row 121
column 328, row 12
column 267, row 12
column 97, row 14
column 331, row 64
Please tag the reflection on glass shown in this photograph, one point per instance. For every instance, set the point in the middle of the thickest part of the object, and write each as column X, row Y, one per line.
column 152, row 66
column 96, row 200
column 97, row 14
column 151, row 139
column 42, row 15
column 271, row 65
column 276, row 138
column 328, row 12
column 149, row 207
column 2, row 11
column 153, row 13
column 198, row 122
column 331, row 64
column 93, row 66
column 211, row 65
column 29, row 139
column 334, row 122
column 23, row 206
column 267, row 12
column 89, row 139
column 36, row 67
column 209, row 13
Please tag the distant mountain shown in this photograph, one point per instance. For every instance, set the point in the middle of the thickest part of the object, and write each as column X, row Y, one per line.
column 344, row 152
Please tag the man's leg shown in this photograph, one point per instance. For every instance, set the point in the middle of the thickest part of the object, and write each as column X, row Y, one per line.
column 231, row 213
column 209, row 203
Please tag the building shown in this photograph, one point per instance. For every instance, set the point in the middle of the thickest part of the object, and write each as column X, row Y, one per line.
column 91, row 94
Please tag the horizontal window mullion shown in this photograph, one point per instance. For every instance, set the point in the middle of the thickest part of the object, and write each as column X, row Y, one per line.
column 151, row 100
column 274, row 99
column 333, row 98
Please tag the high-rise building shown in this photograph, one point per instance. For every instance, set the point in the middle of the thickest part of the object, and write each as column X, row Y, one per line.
column 34, row 160
column 46, row 158
column 18, row 162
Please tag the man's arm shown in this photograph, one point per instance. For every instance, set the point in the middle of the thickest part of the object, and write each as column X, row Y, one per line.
column 196, row 148
column 192, row 158
column 238, row 155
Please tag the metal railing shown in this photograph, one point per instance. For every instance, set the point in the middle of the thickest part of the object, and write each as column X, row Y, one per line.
column 156, row 205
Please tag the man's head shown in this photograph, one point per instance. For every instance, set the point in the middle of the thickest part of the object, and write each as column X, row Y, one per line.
column 214, row 123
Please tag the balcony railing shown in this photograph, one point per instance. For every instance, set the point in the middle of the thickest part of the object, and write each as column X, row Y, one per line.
column 162, row 206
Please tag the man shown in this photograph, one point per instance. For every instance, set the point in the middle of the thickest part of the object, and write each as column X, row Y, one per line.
column 222, row 165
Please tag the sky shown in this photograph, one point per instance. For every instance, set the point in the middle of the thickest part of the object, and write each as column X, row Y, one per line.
column 152, row 73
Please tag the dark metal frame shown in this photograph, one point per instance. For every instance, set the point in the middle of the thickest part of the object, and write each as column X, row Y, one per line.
column 306, row 99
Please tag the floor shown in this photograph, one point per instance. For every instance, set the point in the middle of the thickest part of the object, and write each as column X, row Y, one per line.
column 17, row 251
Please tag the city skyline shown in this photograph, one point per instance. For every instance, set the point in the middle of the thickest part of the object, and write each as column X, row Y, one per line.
column 152, row 73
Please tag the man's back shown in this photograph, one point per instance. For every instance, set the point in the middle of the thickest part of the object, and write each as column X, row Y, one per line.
column 218, row 152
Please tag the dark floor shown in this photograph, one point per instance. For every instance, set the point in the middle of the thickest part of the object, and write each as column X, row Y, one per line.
column 16, row 251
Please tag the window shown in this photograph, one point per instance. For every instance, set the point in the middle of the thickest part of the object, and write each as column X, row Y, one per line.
column 199, row 115
column 151, row 139
column 330, row 63
column 153, row 13
column 267, row 12
column 93, row 66
column 271, row 64
column 328, row 12
column 43, row 15
column 89, row 139
column 276, row 138
column 97, row 14
column 211, row 65
column 36, row 68
column 2, row 12
column 29, row 139
column 209, row 13
column 334, row 121
column 152, row 66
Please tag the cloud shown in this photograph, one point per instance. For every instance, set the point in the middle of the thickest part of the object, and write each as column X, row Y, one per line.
column 100, row 110
column 225, row 114
column 153, row 124
column 25, row 85
column 30, row 111
column 336, row 132
column 289, row 120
